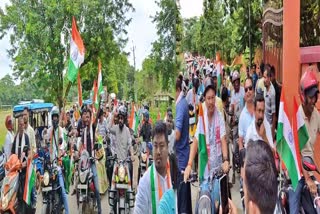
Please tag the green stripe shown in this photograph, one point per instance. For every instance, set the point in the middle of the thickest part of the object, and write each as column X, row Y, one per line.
column 287, row 156
column 303, row 136
column 153, row 191
column 72, row 71
column 203, row 156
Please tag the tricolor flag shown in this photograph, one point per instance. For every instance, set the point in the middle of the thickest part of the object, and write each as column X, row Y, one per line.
column 202, row 146
column 300, row 130
column 286, row 145
column 76, row 52
column 135, row 121
column 79, row 91
column 219, row 75
column 94, row 98
column 30, row 182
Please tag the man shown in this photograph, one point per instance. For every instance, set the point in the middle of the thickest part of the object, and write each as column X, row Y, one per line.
column 182, row 147
column 157, row 175
column 247, row 114
column 68, row 125
column 259, row 129
column 57, row 147
column 29, row 131
column 146, row 129
column 88, row 142
column 20, row 141
column 217, row 152
column 171, row 133
column 277, row 88
column 309, row 93
column 9, row 137
column 254, row 75
column 81, row 122
column 270, row 99
column 260, row 178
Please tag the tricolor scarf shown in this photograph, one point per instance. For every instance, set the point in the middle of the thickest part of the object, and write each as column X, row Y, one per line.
column 156, row 189
column 217, row 139
column 91, row 138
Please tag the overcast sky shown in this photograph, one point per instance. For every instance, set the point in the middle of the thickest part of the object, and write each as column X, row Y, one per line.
column 141, row 31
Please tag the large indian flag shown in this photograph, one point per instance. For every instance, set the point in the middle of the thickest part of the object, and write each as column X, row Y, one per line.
column 76, row 52
column 286, row 146
column 300, row 129
column 29, row 182
column 202, row 146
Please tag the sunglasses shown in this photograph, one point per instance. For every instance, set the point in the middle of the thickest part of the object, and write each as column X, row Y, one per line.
column 248, row 89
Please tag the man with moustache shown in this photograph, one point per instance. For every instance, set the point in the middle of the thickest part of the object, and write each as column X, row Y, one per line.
column 259, row 128
column 29, row 130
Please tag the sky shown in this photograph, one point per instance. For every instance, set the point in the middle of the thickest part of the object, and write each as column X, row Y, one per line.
column 141, row 31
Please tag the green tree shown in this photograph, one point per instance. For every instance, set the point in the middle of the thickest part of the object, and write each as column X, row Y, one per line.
column 40, row 34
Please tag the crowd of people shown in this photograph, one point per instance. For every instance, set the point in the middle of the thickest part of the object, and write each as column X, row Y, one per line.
column 222, row 120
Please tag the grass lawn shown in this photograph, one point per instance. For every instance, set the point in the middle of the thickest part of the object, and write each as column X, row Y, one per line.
column 3, row 130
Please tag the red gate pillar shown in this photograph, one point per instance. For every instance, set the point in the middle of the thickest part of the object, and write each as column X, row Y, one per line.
column 291, row 51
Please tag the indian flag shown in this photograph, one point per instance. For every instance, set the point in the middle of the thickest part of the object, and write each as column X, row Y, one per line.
column 29, row 182
column 286, row 146
column 76, row 52
column 100, row 86
column 301, row 129
column 202, row 146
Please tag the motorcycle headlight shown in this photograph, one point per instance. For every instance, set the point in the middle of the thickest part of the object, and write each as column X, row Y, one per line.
column 5, row 202
column 144, row 157
column 121, row 173
column 83, row 176
column 46, row 178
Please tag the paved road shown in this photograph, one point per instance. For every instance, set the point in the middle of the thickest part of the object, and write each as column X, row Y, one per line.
column 105, row 206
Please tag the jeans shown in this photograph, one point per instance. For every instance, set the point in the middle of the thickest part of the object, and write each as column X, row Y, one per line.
column 184, row 195
column 295, row 197
column 214, row 189
column 96, row 186
column 63, row 192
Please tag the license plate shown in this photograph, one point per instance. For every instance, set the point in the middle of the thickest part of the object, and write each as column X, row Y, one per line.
column 46, row 189
column 82, row 186
column 122, row 186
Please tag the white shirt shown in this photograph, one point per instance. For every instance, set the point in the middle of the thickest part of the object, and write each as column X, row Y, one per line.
column 252, row 133
column 143, row 203
column 237, row 99
column 171, row 139
column 32, row 138
column 8, row 143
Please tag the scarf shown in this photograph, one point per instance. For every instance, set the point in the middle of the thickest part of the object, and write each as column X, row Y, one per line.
column 84, row 146
column 217, row 139
column 156, row 189
column 53, row 142
column 22, row 143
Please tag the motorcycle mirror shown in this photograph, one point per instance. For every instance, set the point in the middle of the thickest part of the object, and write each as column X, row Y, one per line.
column 308, row 164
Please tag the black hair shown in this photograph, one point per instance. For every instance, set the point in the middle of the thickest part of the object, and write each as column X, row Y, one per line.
column 26, row 108
column 273, row 70
column 261, row 176
column 160, row 128
column 179, row 83
column 259, row 98
column 224, row 94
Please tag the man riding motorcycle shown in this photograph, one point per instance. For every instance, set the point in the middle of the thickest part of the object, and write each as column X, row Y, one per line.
column 122, row 136
column 309, row 91
column 88, row 142
column 145, row 131
column 56, row 147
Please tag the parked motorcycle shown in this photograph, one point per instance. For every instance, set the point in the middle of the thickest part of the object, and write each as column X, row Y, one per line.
column 121, row 195
column 86, row 200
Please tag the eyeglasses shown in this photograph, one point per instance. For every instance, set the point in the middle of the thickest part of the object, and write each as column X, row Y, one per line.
column 248, row 89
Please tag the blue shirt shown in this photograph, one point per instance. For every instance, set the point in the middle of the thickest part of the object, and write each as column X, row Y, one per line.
column 244, row 122
column 182, row 125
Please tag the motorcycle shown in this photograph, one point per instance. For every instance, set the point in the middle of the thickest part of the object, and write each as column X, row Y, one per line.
column 86, row 199
column 309, row 165
column 50, row 187
column 3, row 160
column 11, row 191
column 121, row 195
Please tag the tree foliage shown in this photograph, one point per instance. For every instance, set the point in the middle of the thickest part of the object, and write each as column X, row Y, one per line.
column 39, row 37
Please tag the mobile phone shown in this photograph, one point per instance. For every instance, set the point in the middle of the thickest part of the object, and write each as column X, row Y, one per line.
column 224, row 192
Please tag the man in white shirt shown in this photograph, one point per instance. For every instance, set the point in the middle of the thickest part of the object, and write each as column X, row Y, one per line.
column 29, row 130
column 259, row 128
column 157, row 179
column 9, row 137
